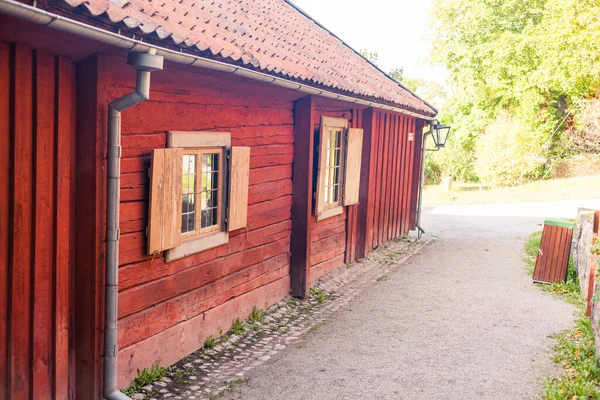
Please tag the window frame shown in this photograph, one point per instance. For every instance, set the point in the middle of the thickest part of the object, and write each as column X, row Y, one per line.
column 199, row 152
column 191, row 141
column 322, row 209
column 340, row 167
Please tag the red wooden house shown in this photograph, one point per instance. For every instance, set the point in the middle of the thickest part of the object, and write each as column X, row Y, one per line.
column 245, row 152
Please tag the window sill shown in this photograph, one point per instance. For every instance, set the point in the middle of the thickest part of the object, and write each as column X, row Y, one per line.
column 197, row 245
column 331, row 212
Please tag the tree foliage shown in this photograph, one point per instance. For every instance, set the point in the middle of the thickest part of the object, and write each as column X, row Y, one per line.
column 520, row 63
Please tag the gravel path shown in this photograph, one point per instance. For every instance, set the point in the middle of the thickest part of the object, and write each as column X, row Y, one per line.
column 460, row 320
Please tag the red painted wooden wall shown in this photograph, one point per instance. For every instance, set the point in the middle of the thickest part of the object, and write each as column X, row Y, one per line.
column 192, row 298
column 389, row 179
column 37, row 160
column 328, row 236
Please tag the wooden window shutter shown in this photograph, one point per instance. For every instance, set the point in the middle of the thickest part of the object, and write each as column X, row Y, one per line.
column 352, row 166
column 164, row 222
column 239, row 172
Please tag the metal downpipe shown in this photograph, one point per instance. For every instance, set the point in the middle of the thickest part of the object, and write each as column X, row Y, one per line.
column 420, row 230
column 144, row 63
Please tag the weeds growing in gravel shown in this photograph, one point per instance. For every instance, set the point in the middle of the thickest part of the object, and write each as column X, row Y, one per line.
column 575, row 351
column 210, row 342
column 238, row 327
column 318, row 294
column 382, row 278
column 257, row 315
column 147, row 376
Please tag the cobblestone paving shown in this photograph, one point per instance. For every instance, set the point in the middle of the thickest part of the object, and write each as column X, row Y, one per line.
column 210, row 373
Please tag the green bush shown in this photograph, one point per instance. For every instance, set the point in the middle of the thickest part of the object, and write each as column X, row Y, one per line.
column 433, row 171
column 584, row 134
column 506, row 154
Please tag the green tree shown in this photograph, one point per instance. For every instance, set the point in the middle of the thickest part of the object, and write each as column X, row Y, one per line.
column 372, row 56
column 522, row 62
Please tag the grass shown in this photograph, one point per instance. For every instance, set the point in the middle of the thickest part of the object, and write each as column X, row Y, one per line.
column 382, row 278
column 576, row 353
column 574, row 348
column 583, row 187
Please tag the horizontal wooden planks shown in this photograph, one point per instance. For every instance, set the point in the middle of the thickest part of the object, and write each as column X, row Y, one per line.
column 158, row 297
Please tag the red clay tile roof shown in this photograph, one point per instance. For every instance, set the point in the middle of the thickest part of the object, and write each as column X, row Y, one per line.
column 270, row 36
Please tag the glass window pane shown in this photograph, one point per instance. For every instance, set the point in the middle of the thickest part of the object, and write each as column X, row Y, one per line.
column 336, row 175
column 206, row 162
column 191, row 221
column 214, row 216
column 215, row 162
column 337, row 157
column 212, row 198
column 214, row 180
column 207, row 218
column 335, row 193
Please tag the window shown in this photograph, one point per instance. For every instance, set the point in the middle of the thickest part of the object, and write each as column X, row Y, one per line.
column 333, row 174
column 201, row 206
column 198, row 193
column 340, row 151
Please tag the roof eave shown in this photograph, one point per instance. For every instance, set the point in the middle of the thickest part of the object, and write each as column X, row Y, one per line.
column 62, row 23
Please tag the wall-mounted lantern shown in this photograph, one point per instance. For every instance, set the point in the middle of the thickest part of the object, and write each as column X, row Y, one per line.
column 440, row 135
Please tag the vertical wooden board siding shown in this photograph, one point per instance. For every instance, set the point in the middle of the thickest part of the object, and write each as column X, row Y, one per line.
column 411, row 155
column 64, row 226
column 396, row 193
column 304, row 113
column 378, row 169
column 416, row 173
column 405, row 176
column 389, row 191
column 380, row 177
column 401, row 149
column 401, row 178
column 43, row 216
column 385, row 186
column 20, row 313
column 90, row 202
column 5, row 209
column 238, row 189
column 364, row 223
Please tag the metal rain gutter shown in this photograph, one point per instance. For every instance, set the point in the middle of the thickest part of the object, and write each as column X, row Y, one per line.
column 42, row 17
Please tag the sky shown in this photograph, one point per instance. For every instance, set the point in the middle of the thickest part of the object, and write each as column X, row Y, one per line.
column 396, row 29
